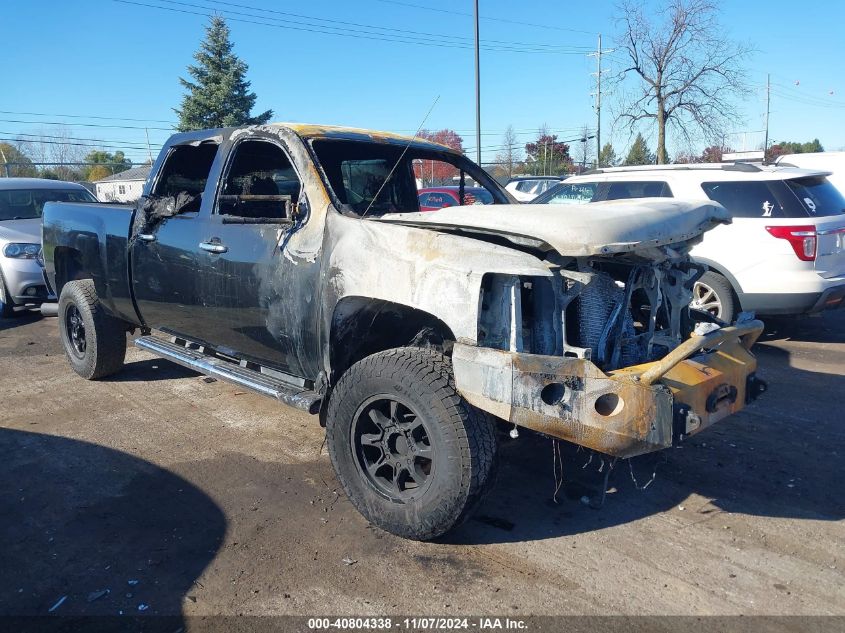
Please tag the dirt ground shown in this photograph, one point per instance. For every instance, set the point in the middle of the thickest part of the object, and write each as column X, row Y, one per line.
column 190, row 497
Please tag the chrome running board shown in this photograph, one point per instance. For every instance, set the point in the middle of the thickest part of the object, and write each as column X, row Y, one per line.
column 194, row 357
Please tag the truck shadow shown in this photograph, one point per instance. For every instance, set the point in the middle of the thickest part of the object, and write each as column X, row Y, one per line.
column 150, row 370
column 22, row 317
column 778, row 458
column 78, row 520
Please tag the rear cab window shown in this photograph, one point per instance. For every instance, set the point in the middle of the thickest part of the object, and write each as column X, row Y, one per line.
column 794, row 198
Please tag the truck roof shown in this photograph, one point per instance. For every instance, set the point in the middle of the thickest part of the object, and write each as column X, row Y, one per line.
column 339, row 132
column 311, row 131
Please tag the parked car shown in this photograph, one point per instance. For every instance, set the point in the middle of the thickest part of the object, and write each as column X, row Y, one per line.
column 784, row 252
column 21, row 204
column 407, row 332
column 526, row 188
column 433, row 198
column 833, row 162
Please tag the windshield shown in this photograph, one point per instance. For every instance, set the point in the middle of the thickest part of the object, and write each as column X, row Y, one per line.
column 22, row 204
column 378, row 178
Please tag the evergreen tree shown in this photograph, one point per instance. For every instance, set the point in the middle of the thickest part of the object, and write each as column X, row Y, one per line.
column 607, row 157
column 219, row 94
column 640, row 154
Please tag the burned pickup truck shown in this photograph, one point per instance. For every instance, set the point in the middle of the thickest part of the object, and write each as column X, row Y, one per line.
column 294, row 260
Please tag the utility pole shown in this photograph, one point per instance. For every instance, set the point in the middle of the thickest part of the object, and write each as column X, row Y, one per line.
column 597, row 54
column 149, row 151
column 477, row 93
column 768, row 103
column 5, row 162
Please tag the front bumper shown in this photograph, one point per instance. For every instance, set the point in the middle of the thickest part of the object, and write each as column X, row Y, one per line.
column 24, row 280
column 624, row 413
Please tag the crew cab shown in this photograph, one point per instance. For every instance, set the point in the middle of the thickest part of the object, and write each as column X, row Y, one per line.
column 294, row 260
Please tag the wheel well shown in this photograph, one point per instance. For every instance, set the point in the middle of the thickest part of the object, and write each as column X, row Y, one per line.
column 68, row 266
column 731, row 280
column 363, row 326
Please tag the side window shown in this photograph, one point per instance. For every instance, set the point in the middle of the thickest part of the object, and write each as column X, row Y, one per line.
column 185, row 170
column 755, row 199
column 574, row 193
column 628, row 190
column 260, row 182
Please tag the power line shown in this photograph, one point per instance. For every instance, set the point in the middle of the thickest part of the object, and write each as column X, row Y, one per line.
column 353, row 33
column 345, row 24
column 492, row 19
column 100, row 125
column 87, row 116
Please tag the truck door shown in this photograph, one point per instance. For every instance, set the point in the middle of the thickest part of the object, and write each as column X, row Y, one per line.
column 258, row 304
column 164, row 255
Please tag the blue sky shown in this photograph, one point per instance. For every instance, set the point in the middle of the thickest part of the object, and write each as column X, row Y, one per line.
column 104, row 58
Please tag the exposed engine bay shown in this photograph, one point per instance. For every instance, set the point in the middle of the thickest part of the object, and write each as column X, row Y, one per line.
column 614, row 311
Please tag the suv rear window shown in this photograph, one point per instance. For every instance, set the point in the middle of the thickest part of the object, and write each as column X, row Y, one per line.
column 796, row 198
column 820, row 198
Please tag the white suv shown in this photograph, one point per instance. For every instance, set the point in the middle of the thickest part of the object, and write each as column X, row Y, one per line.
column 784, row 252
column 526, row 188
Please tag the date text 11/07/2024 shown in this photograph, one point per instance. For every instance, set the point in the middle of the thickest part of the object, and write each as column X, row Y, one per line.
column 418, row 624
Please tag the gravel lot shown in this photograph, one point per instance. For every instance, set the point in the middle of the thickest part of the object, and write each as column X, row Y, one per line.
column 218, row 501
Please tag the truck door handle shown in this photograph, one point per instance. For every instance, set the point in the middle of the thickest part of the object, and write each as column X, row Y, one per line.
column 146, row 237
column 214, row 246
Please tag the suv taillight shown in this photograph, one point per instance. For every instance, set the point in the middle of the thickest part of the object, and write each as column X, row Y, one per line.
column 801, row 238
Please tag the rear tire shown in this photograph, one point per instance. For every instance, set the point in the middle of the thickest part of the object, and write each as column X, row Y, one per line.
column 7, row 305
column 94, row 342
column 713, row 293
column 412, row 455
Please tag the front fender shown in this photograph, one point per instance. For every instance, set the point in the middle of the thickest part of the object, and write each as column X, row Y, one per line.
column 437, row 273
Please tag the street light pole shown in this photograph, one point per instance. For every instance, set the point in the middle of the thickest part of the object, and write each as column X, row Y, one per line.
column 477, row 93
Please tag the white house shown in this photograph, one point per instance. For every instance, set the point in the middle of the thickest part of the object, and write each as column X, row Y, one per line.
column 126, row 186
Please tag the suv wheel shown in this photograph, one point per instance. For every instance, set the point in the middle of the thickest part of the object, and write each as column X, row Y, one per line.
column 94, row 342
column 714, row 294
column 413, row 457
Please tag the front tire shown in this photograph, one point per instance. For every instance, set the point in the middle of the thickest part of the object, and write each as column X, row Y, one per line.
column 413, row 457
column 94, row 342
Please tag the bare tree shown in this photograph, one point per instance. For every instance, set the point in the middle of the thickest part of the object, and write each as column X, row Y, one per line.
column 688, row 70
column 509, row 156
column 586, row 147
column 57, row 145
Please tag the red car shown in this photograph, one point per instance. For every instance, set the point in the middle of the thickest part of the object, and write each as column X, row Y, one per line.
column 434, row 198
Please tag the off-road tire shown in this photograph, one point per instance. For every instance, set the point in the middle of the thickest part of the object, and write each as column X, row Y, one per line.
column 724, row 294
column 462, row 438
column 105, row 336
column 7, row 305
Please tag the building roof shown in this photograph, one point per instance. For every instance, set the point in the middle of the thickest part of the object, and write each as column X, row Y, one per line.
column 134, row 173
column 36, row 183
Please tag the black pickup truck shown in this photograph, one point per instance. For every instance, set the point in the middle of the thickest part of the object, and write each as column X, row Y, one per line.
column 294, row 260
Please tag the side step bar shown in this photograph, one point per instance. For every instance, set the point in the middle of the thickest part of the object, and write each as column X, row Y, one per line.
column 291, row 395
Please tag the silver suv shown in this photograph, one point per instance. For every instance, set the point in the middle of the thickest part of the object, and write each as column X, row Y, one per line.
column 21, row 203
